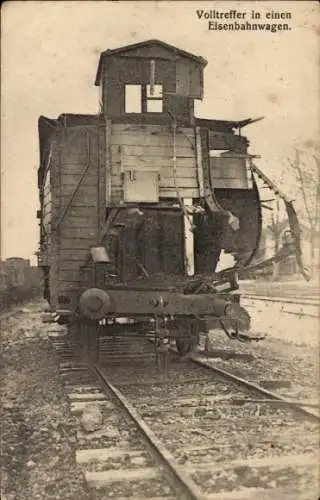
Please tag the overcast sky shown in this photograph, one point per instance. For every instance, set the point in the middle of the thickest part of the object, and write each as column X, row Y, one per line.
column 50, row 53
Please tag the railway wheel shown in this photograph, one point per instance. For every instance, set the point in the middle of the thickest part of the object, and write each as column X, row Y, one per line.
column 187, row 335
column 185, row 346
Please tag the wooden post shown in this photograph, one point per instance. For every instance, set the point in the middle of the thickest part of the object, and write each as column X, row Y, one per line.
column 102, row 174
column 199, row 161
column 108, row 162
column 188, row 239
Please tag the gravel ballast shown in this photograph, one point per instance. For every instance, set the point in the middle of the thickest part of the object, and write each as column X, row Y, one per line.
column 280, row 356
column 38, row 435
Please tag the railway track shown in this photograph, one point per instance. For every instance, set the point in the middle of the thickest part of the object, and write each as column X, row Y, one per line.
column 294, row 298
column 289, row 289
column 191, row 432
column 301, row 307
column 305, row 301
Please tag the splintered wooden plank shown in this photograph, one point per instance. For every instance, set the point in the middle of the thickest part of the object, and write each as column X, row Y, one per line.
column 82, row 191
column 152, row 135
column 229, row 184
column 77, row 154
column 116, row 186
column 72, row 179
column 184, row 192
column 181, row 172
column 164, row 183
column 149, row 129
column 67, row 265
column 164, row 141
column 80, row 152
column 66, row 286
column 180, row 182
column 69, row 243
column 78, row 167
column 74, row 255
column 81, row 211
column 78, row 232
column 228, row 173
column 72, row 221
column 149, row 162
column 72, row 276
column 84, row 200
column 116, row 194
column 222, row 140
column 164, row 173
column 151, row 151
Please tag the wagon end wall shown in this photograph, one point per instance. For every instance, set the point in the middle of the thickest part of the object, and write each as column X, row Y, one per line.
column 78, row 187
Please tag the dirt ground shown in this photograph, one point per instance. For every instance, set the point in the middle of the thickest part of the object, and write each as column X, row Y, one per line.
column 37, row 431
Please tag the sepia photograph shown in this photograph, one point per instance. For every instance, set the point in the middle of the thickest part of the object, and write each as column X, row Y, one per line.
column 160, row 250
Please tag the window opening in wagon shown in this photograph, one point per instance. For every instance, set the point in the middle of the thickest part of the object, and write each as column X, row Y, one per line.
column 133, row 98
column 154, row 97
column 143, row 99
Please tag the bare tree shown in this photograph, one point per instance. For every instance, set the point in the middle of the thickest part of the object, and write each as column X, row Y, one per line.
column 306, row 167
column 275, row 229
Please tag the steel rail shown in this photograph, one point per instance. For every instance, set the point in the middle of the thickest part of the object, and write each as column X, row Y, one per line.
column 301, row 314
column 187, row 487
column 304, row 410
column 284, row 300
column 309, row 413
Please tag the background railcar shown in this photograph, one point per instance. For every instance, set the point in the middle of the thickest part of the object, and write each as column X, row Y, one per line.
column 19, row 281
column 3, row 288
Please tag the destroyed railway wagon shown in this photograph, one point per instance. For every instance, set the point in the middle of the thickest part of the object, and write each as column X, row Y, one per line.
column 19, row 281
column 139, row 201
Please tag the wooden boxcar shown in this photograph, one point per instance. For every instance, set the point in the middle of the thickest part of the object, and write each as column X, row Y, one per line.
column 139, row 201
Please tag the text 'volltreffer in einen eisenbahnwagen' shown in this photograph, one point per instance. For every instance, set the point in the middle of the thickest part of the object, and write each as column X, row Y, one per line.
column 272, row 21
